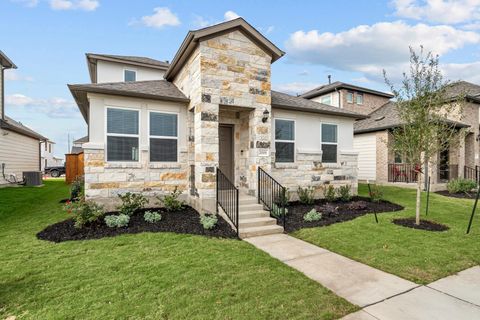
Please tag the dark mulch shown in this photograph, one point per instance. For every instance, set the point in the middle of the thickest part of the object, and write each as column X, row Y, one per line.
column 334, row 212
column 462, row 195
column 64, row 201
column 424, row 224
column 186, row 221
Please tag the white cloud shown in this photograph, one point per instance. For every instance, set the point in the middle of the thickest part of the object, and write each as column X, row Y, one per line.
column 462, row 71
column 230, row 15
column 304, row 73
column 162, row 17
column 295, row 88
column 370, row 49
column 440, row 11
column 53, row 107
column 201, row 22
column 13, row 75
column 86, row 5
column 27, row 3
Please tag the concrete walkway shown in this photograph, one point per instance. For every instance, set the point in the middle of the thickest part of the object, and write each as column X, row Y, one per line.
column 382, row 296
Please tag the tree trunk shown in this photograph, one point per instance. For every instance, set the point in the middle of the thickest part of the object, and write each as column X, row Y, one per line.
column 419, row 193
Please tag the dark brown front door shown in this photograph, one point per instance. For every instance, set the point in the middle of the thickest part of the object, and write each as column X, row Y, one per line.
column 225, row 133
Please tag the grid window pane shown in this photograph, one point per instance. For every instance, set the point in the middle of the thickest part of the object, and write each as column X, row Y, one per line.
column 163, row 149
column 130, row 75
column 284, row 130
column 359, row 98
column 122, row 121
column 163, row 124
column 329, row 153
column 284, row 151
column 329, row 133
column 122, row 149
column 350, row 97
column 327, row 99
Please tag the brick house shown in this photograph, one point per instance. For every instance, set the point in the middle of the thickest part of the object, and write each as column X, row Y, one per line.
column 154, row 126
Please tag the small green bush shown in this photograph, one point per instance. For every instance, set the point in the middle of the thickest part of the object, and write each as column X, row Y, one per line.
column 208, row 221
column 312, row 215
column 306, row 195
column 83, row 211
column 277, row 211
column 330, row 194
column 344, row 193
column 119, row 221
column 152, row 216
column 171, row 202
column 77, row 189
column 461, row 185
column 131, row 202
column 375, row 193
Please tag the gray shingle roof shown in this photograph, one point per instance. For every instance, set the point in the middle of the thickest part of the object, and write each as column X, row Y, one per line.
column 469, row 89
column 12, row 125
column 286, row 101
column 76, row 150
column 6, row 62
column 81, row 140
column 340, row 85
column 134, row 59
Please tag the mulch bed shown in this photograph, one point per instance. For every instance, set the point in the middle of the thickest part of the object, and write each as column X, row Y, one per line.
column 186, row 221
column 334, row 212
column 424, row 224
column 471, row 195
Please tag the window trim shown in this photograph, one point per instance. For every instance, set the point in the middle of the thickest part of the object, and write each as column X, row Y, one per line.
column 356, row 98
column 330, row 98
column 346, row 96
column 164, row 137
column 128, row 135
column 132, row 70
column 330, row 143
column 294, row 141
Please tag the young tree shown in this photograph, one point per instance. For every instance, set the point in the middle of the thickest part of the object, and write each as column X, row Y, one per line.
column 428, row 114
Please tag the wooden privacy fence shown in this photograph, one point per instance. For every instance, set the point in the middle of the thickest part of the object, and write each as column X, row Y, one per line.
column 73, row 166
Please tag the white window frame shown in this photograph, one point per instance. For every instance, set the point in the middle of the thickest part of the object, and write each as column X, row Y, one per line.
column 122, row 134
column 294, row 141
column 132, row 70
column 356, row 98
column 331, row 143
column 163, row 137
column 329, row 96
column 353, row 98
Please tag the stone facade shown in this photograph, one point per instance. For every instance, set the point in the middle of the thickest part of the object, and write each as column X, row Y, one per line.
column 371, row 102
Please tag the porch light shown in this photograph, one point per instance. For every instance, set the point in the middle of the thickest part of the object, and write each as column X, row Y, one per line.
column 266, row 113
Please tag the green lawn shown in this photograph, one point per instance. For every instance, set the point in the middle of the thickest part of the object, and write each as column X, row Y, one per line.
column 420, row 256
column 143, row 276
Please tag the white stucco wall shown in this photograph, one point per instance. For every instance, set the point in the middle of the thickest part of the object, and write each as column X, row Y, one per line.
column 114, row 72
column 334, row 98
column 366, row 146
column 48, row 155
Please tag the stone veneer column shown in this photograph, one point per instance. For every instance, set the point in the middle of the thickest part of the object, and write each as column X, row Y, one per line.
column 260, row 144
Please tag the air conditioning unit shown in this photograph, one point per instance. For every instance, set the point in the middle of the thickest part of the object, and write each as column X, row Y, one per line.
column 32, row 178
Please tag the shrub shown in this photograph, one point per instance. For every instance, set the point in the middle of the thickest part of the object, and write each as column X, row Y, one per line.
column 330, row 193
column 305, row 195
column 460, row 185
column 83, row 211
column 375, row 193
column 344, row 193
column 208, row 221
column 131, row 202
column 119, row 221
column 328, row 210
column 171, row 202
column 77, row 189
column 152, row 217
column 357, row 205
column 312, row 215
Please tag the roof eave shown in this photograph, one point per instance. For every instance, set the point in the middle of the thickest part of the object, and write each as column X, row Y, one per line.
column 96, row 57
column 343, row 86
column 328, row 112
column 6, row 62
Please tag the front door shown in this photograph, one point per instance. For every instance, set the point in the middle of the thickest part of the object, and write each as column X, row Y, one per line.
column 225, row 133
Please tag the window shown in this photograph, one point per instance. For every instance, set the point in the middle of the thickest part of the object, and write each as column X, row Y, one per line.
column 49, row 148
column 349, row 96
column 398, row 158
column 284, row 140
column 122, row 134
column 359, row 98
column 130, row 75
column 329, row 143
column 326, row 99
column 163, row 137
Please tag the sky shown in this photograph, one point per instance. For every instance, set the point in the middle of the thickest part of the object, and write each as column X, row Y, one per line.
column 353, row 41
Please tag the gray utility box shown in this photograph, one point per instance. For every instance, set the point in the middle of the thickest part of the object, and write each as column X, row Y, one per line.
column 32, row 178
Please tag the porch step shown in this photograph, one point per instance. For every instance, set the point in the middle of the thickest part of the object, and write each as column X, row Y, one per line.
column 253, row 214
column 256, row 222
column 247, row 201
column 259, row 231
column 250, row 207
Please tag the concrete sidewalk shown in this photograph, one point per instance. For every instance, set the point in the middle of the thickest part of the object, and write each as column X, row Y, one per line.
column 383, row 296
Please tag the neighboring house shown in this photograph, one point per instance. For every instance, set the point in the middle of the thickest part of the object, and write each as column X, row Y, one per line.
column 47, row 155
column 19, row 145
column 214, row 108
column 377, row 162
column 77, row 146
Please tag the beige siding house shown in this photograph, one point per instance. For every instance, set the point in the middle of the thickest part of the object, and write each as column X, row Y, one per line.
column 19, row 145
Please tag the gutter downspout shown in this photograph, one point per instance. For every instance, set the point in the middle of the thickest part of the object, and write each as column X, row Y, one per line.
column 3, row 92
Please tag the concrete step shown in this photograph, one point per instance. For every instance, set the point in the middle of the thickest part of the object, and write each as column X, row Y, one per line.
column 253, row 214
column 256, row 222
column 259, row 231
column 250, row 207
column 247, row 201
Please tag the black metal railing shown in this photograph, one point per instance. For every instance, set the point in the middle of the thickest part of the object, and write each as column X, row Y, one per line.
column 272, row 195
column 471, row 173
column 447, row 172
column 402, row 172
column 227, row 198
